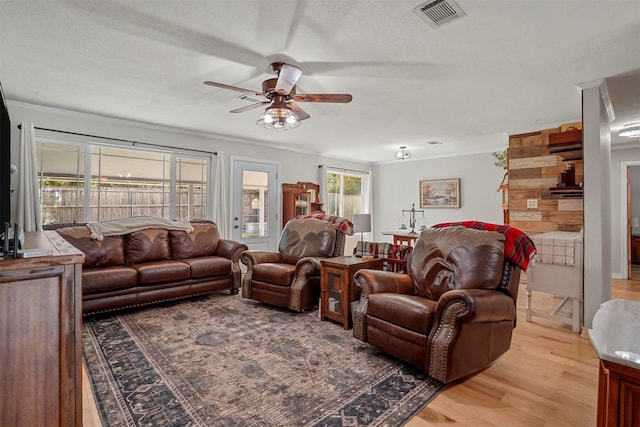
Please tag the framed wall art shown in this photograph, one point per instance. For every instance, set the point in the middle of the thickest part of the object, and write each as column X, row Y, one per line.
column 440, row 193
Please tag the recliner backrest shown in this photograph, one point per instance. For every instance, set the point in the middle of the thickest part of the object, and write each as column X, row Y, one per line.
column 456, row 258
column 307, row 237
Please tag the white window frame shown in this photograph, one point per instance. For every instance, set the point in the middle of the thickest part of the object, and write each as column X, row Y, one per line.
column 174, row 155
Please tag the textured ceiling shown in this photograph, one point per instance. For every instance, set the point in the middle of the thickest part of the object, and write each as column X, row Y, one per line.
column 506, row 67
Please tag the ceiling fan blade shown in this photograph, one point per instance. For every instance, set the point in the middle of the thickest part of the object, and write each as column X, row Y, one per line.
column 238, row 89
column 299, row 112
column 319, row 97
column 250, row 107
column 287, row 78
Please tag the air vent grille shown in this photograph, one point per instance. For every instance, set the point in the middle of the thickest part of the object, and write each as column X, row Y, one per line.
column 439, row 12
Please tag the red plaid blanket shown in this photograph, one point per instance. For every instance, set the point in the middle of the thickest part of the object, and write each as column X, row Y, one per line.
column 340, row 223
column 518, row 247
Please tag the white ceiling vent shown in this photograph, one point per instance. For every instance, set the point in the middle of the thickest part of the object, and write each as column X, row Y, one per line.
column 439, row 12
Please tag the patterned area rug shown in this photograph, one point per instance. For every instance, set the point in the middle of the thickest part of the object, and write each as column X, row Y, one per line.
column 221, row 360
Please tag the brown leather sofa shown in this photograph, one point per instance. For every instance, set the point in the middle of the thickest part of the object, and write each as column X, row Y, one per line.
column 153, row 265
column 453, row 313
column 290, row 278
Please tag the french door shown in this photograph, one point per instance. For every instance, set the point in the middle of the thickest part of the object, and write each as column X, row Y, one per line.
column 254, row 203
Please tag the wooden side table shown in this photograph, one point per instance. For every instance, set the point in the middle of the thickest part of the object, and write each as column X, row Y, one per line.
column 338, row 289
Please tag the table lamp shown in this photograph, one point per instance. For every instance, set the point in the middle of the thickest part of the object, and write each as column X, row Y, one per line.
column 361, row 224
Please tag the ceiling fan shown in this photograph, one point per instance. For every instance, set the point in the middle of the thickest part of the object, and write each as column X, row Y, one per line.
column 280, row 95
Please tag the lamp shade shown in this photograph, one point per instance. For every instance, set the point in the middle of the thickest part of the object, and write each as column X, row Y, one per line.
column 361, row 223
column 635, row 223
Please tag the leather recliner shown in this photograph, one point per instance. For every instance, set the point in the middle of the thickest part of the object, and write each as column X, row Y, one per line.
column 453, row 313
column 290, row 278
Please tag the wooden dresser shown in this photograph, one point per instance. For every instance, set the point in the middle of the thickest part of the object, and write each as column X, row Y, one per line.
column 40, row 336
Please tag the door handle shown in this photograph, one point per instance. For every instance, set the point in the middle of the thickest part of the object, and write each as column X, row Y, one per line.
column 236, row 226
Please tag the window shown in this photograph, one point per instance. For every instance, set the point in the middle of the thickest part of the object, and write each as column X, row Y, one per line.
column 346, row 193
column 88, row 182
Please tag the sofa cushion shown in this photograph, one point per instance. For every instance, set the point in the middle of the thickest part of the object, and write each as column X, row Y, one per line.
column 279, row 274
column 208, row 266
column 202, row 241
column 147, row 245
column 456, row 258
column 104, row 253
column 152, row 273
column 106, row 279
column 306, row 238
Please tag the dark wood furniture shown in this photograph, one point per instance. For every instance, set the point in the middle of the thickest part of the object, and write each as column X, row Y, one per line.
column 301, row 198
column 40, row 336
column 616, row 340
column 338, row 289
column 635, row 249
column 618, row 395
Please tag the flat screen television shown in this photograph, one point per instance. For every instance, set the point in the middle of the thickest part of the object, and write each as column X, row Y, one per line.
column 5, row 163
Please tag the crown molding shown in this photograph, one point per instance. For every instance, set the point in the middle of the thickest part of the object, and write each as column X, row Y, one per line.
column 160, row 128
column 601, row 85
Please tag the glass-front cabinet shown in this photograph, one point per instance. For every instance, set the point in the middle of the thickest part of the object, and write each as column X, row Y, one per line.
column 302, row 204
column 300, row 199
column 338, row 292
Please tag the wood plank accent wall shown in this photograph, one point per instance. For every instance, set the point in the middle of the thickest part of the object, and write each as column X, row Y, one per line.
column 532, row 171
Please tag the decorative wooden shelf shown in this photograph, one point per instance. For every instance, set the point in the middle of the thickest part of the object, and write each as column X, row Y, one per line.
column 572, row 191
column 567, row 144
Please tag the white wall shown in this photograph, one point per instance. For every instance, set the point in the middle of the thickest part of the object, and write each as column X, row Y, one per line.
column 597, row 200
column 396, row 187
column 618, row 189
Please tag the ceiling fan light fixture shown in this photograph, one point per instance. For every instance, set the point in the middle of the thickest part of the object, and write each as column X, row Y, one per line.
column 278, row 118
column 631, row 130
column 403, row 154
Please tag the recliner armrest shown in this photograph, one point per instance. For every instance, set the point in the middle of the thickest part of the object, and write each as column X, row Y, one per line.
column 312, row 263
column 484, row 314
column 251, row 258
column 377, row 281
column 305, row 268
column 479, row 305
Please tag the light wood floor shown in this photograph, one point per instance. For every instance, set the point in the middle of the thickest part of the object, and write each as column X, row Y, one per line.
column 549, row 377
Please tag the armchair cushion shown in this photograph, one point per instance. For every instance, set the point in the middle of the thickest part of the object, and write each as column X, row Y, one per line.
column 463, row 258
column 409, row 311
column 278, row 274
column 307, row 238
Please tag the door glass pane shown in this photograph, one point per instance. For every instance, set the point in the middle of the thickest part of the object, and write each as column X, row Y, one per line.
column 255, row 204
